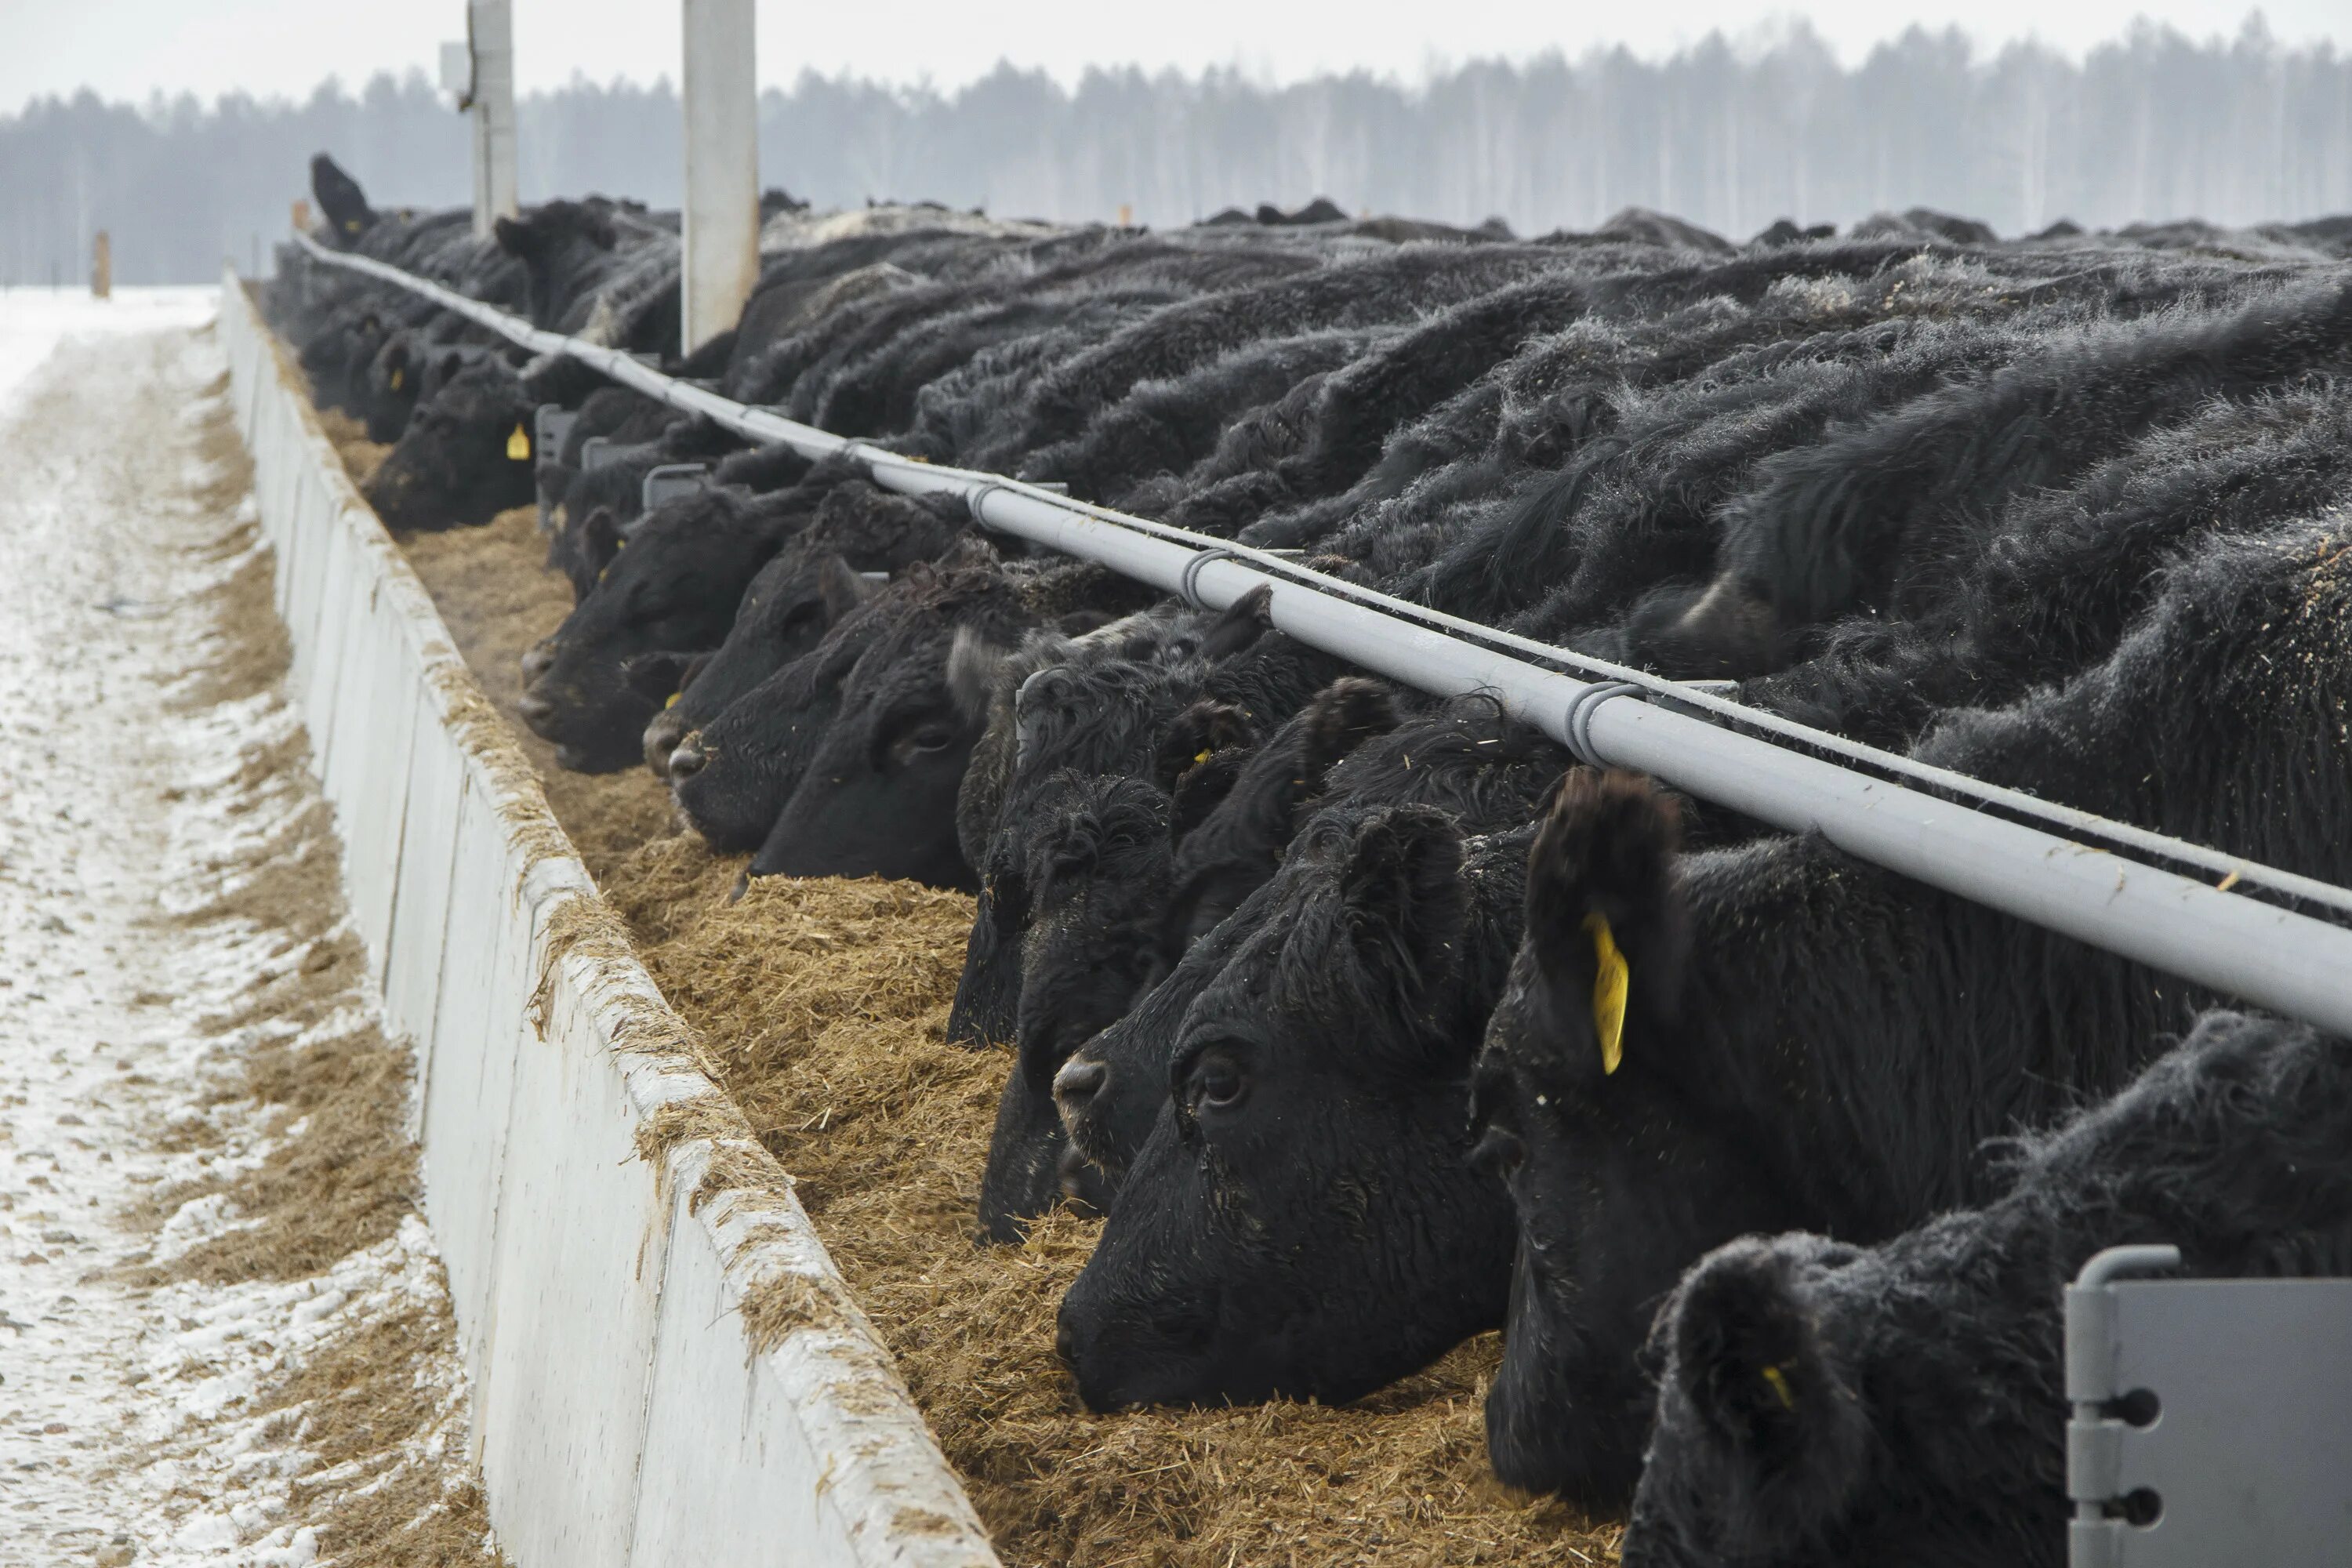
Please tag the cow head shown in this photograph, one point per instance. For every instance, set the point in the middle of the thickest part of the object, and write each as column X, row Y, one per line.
column 672, row 589
column 1763, row 1435
column 878, row 796
column 464, row 458
column 1603, row 1162
column 1095, row 884
column 1302, row 1220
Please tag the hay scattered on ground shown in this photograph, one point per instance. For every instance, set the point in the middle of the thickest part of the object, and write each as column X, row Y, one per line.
column 385, row 1489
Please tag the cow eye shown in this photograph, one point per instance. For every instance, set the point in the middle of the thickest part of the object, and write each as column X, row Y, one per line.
column 930, row 738
column 1218, row 1082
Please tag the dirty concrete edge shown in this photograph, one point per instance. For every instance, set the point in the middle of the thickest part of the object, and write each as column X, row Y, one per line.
column 747, row 1333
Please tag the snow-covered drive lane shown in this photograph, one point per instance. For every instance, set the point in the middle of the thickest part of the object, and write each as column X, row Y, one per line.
column 168, row 920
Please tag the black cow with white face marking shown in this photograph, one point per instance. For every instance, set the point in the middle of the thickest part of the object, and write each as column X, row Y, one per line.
column 1824, row 1402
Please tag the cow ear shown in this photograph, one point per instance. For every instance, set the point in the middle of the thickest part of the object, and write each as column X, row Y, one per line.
column 1605, row 911
column 1202, row 788
column 1758, row 1386
column 1407, row 903
column 1196, row 734
column 511, row 235
column 1340, row 718
column 840, row 588
column 600, row 539
column 1244, row 622
column 659, row 676
column 451, row 363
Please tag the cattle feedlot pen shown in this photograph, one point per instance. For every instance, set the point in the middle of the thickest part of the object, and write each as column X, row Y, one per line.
column 2270, row 956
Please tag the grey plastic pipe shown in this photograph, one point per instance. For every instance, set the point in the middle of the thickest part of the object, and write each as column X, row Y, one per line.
column 2270, row 957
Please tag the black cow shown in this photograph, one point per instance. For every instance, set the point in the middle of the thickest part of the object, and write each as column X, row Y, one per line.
column 1302, row 1220
column 1824, row 1402
column 1763, row 1086
column 671, row 593
column 465, row 456
column 1844, row 521
column 1484, row 771
column 342, row 204
column 801, row 592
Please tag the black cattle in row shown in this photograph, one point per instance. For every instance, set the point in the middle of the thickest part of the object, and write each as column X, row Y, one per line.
column 608, row 668
column 1469, row 760
column 1758, row 1088
column 802, row 591
column 1750, row 1086
column 1824, row 1402
column 1837, row 524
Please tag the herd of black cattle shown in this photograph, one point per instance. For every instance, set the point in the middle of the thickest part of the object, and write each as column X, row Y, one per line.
column 1370, row 1022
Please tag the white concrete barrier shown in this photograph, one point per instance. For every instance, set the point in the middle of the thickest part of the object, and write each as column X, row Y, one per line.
column 626, row 1414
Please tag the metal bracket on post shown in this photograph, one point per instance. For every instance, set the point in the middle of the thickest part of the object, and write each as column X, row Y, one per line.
column 2210, row 1417
column 596, row 452
column 550, row 424
column 667, row 481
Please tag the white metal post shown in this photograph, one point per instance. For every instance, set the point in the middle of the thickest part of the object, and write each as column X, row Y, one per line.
column 489, row 28
column 721, row 222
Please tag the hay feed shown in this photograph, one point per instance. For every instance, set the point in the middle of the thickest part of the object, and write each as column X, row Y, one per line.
column 498, row 598
column 823, row 1005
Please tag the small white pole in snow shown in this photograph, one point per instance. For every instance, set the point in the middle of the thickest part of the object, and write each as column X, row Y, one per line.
column 721, row 222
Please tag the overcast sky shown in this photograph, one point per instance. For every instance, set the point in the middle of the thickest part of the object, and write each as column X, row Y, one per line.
column 130, row 48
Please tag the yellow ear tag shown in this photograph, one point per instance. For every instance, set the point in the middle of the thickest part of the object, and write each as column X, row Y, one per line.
column 673, row 699
column 1199, row 757
column 397, row 376
column 1608, row 992
column 519, row 445
column 1779, row 1381
column 350, row 225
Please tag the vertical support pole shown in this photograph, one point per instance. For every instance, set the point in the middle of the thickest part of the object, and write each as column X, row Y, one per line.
column 721, row 222
column 101, row 267
column 489, row 31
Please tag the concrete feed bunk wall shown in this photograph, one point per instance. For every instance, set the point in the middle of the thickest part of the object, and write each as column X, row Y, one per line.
column 625, row 1412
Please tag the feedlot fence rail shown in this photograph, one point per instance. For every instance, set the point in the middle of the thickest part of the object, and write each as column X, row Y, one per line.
column 2246, row 933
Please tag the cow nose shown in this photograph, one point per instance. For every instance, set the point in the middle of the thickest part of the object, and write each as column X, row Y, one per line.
column 535, row 662
column 1076, row 1086
column 662, row 737
column 1065, row 1344
column 536, row 711
column 686, row 761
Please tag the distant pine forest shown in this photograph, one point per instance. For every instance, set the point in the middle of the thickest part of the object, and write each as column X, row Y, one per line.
column 2152, row 127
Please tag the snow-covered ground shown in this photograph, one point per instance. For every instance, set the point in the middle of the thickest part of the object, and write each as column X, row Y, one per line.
column 150, row 829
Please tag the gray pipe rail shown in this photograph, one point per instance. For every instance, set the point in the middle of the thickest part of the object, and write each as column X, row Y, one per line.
column 2266, row 955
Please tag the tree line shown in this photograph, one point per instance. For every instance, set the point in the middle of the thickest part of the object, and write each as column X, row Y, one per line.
column 2152, row 126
